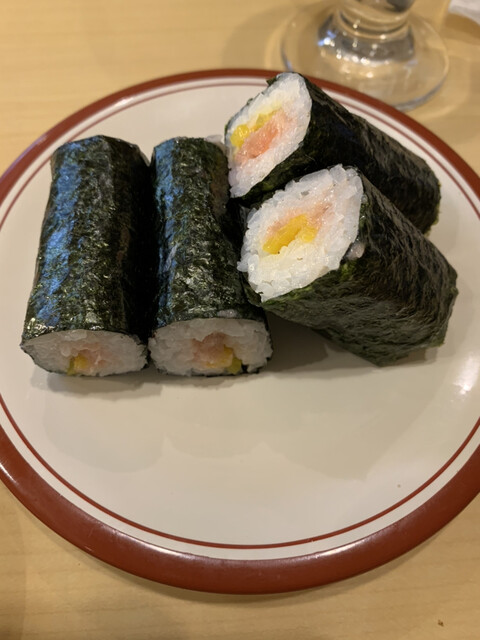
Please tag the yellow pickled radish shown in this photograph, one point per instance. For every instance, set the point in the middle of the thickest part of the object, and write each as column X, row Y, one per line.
column 296, row 228
column 263, row 118
column 77, row 364
column 241, row 133
column 226, row 360
column 235, row 367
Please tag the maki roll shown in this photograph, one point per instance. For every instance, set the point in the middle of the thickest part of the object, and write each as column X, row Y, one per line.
column 87, row 314
column 294, row 128
column 203, row 323
column 332, row 253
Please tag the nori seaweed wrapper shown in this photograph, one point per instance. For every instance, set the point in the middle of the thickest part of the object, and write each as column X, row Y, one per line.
column 337, row 136
column 197, row 239
column 95, row 251
column 396, row 298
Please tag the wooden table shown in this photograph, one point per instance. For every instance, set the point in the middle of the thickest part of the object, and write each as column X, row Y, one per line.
column 59, row 55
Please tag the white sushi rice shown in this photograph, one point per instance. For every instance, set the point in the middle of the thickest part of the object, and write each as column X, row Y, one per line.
column 173, row 348
column 338, row 192
column 288, row 93
column 106, row 352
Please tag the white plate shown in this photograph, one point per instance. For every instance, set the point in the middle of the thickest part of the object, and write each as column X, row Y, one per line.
column 318, row 468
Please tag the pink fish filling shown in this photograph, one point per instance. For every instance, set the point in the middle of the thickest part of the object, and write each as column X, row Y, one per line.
column 260, row 140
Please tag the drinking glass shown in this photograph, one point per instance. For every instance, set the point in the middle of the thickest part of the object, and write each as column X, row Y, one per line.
column 379, row 47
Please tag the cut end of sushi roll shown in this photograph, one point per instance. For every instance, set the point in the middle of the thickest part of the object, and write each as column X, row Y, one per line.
column 210, row 347
column 87, row 353
column 302, row 232
column 266, row 131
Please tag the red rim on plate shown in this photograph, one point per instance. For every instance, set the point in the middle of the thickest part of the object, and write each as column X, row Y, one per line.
column 216, row 574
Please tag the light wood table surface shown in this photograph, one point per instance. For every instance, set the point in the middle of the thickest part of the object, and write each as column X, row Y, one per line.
column 57, row 56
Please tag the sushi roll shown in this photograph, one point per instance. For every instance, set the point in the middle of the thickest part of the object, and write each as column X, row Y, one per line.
column 87, row 314
column 293, row 128
column 203, row 323
column 332, row 253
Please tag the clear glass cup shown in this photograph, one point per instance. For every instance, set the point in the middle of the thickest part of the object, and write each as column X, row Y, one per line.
column 378, row 47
